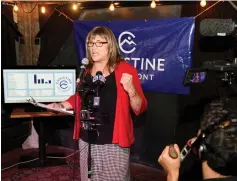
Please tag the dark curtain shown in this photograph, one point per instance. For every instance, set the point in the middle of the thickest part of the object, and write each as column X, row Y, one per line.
column 8, row 57
column 55, row 30
column 52, row 38
column 8, row 36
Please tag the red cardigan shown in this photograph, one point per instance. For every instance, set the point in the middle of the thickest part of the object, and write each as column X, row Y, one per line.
column 123, row 125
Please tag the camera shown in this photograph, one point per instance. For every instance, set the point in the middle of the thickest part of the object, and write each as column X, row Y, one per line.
column 226, row 70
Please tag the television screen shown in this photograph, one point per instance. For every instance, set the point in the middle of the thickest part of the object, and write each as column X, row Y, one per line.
column 44, row 85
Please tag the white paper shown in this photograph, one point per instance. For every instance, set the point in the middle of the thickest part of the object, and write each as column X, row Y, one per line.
column 50, row 108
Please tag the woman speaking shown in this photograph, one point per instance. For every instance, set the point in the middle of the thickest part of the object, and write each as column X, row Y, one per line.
column 121, row 92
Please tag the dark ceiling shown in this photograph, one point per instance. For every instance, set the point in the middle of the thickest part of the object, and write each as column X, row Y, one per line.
column 104, row 4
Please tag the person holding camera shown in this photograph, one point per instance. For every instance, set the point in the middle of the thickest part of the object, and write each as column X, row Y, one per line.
column 108, row 145
column 218, row 148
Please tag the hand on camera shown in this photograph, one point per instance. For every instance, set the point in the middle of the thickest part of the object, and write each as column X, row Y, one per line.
column 169, row 164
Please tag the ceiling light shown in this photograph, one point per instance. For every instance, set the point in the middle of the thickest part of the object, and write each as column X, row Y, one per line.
column 15, row 8
column 111, row 7
column 74, row 6
column 203, row 3
column 153, row 4
column 43, row 10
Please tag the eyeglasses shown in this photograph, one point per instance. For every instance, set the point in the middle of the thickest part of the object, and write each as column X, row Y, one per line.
column 98, row 44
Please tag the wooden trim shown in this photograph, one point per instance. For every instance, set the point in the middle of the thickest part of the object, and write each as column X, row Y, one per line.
column 20, row 113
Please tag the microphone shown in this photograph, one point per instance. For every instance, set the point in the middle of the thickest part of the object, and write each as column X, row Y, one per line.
column 217, row 27
column 84, row 63
column 99, row 78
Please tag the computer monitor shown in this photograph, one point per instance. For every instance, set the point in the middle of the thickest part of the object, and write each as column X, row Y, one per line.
column 42, row 84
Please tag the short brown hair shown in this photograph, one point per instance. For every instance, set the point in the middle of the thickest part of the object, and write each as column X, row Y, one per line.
column 113, row 48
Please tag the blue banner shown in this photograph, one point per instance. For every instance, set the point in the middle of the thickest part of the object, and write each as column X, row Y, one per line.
column 161, row 49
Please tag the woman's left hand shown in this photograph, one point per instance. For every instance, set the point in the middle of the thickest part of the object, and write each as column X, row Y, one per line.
column 127, row 82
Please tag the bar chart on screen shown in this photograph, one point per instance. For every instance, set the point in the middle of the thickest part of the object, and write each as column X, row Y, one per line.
column 41, row 81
